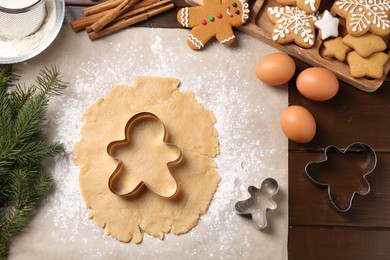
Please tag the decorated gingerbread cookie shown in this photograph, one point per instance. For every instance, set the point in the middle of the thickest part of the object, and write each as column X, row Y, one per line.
column 328, row 26
column 364, row 15
column 309, row 6
column 292, row 24
column 214, row 18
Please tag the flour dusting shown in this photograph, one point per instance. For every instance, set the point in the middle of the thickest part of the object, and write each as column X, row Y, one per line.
column 252, row 147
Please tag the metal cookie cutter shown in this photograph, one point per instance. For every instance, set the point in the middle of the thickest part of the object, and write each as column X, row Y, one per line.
column 343, row 173
column 259, row 203
column 113, row 146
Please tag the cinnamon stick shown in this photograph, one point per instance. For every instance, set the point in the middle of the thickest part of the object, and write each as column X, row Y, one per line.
column 138, row 11
column 112, row 15
column 127, row 22
column 80, row 24
column 95, row 9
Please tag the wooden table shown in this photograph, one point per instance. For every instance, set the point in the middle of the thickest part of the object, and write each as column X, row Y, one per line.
column 316, row 230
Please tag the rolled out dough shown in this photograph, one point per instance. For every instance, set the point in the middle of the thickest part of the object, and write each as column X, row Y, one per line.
column 191, row 128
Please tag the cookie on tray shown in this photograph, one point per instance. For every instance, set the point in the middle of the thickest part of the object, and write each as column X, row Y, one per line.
column 292, row 24
column 364, row 15
column 309, row 6
column 371, row 66
column 366, row 44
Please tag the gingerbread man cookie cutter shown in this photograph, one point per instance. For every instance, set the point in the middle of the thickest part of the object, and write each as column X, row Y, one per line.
column 338, row 163
column 114, row 146
column 260, row 202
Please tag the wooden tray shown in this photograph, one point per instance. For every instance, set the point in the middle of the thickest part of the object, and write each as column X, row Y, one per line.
column 260, row 27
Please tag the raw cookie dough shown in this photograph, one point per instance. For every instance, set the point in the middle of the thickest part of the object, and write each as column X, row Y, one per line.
column 190, row 127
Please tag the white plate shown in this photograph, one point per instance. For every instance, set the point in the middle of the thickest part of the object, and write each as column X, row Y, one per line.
column 59, row 8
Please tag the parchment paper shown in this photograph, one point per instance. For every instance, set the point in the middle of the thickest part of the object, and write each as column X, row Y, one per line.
column 252, row 145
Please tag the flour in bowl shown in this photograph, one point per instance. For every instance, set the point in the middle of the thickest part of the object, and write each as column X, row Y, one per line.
column 13, row 4
column 24, row 45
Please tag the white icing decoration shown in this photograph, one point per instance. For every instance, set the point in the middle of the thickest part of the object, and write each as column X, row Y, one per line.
column 295, row 17
column 312, row 4
column 195, row 41
column 228, row 12
column 371, row 12
column 228, row 39
column 245, row 11
column 184, row 17
column 328, row 25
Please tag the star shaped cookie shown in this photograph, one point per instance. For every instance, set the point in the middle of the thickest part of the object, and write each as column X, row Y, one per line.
column 366, row 44
column 328, row 26
column 335, row 48
column 367, row 67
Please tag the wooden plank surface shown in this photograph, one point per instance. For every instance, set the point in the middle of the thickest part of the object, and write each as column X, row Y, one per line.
column 317, row 231
column 351, row 116
column 307, row 243
column 310, row 205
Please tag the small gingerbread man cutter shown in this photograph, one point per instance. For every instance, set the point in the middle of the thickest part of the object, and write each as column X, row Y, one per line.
column 259, row 203
column 113, row 147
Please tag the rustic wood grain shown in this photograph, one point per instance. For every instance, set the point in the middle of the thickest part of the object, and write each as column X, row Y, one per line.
column 352, row 115
column 306, row 243
column 310, row 205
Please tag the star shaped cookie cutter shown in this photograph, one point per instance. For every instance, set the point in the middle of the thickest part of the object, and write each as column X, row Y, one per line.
column 254, row 207
column 113, row 146
column 367, row 163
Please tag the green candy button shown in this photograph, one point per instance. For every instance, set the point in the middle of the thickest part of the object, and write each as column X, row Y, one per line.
column 211, row 18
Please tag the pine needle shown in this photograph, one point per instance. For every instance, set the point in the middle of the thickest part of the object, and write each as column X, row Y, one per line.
column 23, row 182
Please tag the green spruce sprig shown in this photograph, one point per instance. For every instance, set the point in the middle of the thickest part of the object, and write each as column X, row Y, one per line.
column 23, row 181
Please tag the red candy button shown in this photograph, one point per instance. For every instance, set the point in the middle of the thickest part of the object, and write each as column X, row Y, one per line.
column 203, row 21
column 219, row 15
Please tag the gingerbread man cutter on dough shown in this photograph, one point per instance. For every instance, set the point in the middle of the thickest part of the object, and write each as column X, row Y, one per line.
column 113, row 147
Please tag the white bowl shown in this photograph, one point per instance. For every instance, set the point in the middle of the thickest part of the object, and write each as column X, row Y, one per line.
column 50, row 33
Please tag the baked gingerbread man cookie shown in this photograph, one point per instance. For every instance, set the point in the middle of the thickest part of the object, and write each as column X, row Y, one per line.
column 214, row 18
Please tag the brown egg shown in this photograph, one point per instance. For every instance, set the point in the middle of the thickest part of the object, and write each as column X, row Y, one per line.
column 275, row 69
column 298, row 124
column 317, row 84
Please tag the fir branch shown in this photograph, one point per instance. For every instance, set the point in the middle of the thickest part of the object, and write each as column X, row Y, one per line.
column 6, row 78
column 29, row 109
column 20, row 96
column 29, row 119
column 34, row 151
column 23, row 183
column 26, row 198
column 50, row 82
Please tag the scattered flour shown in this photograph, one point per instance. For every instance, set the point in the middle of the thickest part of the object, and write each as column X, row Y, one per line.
column 252, row 146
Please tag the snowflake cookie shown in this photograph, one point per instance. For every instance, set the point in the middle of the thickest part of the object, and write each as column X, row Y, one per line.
column 365, row 15
column 292, row 24
column 309, row 6
column 214, row 18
